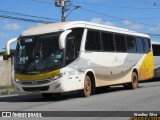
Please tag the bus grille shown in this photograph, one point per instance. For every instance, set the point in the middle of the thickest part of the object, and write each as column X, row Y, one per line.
column 38, row 82
column 30, row 89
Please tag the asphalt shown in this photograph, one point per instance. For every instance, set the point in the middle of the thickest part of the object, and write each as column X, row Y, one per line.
column 117, row 99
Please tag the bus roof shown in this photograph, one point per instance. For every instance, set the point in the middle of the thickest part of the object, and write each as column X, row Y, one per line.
column 61, row 26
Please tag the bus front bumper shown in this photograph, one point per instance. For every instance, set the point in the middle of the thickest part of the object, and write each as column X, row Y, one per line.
column 56, row 86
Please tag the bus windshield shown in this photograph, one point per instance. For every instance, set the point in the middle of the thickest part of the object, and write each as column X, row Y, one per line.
column 38, row 54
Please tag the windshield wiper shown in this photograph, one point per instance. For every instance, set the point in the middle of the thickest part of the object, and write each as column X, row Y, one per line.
column 27, row 65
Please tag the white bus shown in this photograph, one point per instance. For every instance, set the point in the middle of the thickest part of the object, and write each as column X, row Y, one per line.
column 156, row 55
column 80, row 56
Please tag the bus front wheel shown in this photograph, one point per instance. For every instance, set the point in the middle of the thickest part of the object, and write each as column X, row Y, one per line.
column 86, row 92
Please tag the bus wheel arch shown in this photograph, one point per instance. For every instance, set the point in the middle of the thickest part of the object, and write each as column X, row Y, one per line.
column 89, row 84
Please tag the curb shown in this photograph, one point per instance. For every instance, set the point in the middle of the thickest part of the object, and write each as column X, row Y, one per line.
column 7, row 90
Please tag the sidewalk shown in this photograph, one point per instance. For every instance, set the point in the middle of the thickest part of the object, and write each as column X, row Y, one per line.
column 7, row 90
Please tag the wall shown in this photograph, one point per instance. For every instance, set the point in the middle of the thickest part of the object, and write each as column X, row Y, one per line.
column 5, row 73
column 1, row 57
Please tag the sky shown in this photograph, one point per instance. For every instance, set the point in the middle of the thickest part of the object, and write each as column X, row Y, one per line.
column 138, row 15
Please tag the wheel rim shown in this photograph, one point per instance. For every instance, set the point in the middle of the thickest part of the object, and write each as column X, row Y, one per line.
column 135, row 81
column 87, row 86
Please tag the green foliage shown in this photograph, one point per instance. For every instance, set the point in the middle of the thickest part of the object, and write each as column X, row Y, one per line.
column 12, row 51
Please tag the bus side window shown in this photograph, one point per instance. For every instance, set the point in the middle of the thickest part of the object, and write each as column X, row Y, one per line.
column 131, row 44
column 120, row 43
column 139, row 43
column 147, row 45
column 93, row 41
column 108, row 41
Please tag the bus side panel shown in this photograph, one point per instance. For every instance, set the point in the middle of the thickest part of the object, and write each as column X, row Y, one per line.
column 74, row 76
column 110, row 68
column 156, row 66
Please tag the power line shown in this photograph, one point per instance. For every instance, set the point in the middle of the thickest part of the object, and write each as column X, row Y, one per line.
column 40, row 1
column 95, row 12
column 123, row 7
column 153, row 34
column 136, row 18
column 117, row 18
column 33, row 16
column 148, row 3
column 108, row 6
column 25, row 19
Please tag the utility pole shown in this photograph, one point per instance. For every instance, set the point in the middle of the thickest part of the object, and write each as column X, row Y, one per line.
column 63, row 18
column 65, row 7
column 61, row 3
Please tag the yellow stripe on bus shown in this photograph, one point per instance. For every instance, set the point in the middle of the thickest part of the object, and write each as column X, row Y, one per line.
column 146, row 68
column 41, row 76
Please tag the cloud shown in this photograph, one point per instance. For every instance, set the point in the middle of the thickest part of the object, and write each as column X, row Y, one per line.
column 40, row 24
column 133, row 26
column 136, row 27
column 156, row 28
column 13, row 26
column 127, row 22
column 100, row 21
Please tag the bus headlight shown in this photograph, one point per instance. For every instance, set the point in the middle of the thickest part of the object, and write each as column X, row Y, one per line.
column 17, row 80
column 57, row 76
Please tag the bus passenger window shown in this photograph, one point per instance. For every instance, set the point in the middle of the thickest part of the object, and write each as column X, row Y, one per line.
column 108, row 42
column 139, row 43
column 147, row 45
column 131, row 44
column 120, row 43
column 93, row 41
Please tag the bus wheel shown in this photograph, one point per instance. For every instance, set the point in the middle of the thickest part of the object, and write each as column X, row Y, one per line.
column 134, row 82
column 47, row 95
column 86, row 92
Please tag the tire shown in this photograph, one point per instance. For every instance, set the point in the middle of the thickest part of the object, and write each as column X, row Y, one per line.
column 134, row 82
column 47, row 95
column 86, row 92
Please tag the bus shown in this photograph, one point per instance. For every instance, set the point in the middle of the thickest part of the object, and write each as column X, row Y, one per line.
column 156, row 55
column 80, row 56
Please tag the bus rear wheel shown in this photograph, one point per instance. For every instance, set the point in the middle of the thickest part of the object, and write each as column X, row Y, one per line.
column 134, row 82
column 86, row 92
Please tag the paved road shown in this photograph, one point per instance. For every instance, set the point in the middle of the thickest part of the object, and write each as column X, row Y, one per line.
column 145, row 98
